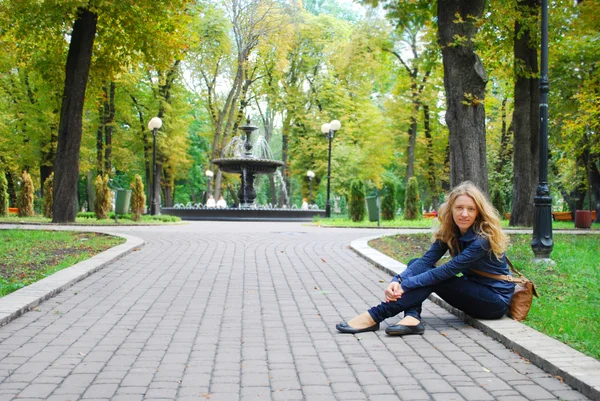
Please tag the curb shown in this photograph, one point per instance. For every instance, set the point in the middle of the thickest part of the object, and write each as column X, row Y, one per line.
column 576, row 369
column 23, row 300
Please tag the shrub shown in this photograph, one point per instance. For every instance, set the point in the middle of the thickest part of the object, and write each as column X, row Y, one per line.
column 498, row 201
column 48, row 196
column 103, row 200
column 343, row 206
column 138, row 198
column 3, row 194
column 388, row 202
column 356, row 207
column 25, row 198
column 411, row 200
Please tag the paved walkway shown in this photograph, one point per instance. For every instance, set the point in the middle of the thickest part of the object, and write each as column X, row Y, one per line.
column 247, row 311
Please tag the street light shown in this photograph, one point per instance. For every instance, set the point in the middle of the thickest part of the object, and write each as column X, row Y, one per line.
column 329, row 130
column 154, row 124
column 209, row 174
column 310, row 176
column 542, row 243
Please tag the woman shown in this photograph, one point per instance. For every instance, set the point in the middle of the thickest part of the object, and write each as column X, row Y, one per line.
column 470, row 230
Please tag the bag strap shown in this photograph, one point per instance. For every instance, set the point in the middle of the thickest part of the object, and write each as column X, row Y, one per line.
column 504, row 277
column 512, row 267
column 501, row 277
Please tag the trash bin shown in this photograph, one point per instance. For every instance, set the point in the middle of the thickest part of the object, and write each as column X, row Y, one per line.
column 122, row 201
column 372, row 208
column 583, row 219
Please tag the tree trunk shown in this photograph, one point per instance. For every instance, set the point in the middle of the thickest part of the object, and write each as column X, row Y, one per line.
column 66, row 169
column 431, row 172
column 285, row 171
column 595, row 184
column 464, row 81
column 100, row 144
column 505, row 152
column 47, row 165
column 109, row 113
column 157, row 187
column 168, row 185
column 526, row 121
column 412, row 143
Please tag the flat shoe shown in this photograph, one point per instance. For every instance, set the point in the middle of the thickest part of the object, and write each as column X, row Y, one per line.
column 402, row 330
column 344, row 328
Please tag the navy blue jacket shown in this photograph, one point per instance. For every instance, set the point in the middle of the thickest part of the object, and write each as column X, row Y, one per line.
column 474, row 253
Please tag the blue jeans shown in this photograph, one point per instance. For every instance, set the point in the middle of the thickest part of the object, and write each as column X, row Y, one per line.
column 473, row 298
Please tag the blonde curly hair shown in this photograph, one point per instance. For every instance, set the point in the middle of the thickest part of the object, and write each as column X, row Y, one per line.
column 486, row 225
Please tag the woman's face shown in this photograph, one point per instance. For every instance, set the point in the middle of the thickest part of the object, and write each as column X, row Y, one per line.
column 464, row 212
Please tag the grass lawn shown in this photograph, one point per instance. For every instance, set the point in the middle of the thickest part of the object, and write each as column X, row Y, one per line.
column 344, row 221
column 31, row 255
column 568, row 308
column 88, row 218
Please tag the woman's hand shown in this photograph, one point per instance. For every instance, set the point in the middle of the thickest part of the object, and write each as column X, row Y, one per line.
column 393, row 292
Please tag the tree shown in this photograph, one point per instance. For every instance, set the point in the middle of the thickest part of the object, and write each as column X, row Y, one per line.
column 103, row 199
column 3, row 194
column 575, row 111
column 25, row 199
column 465, row 80
column 526, row 115
column 48, row 196
column 388, row 204
column 356, row 207
column 411, row 201
column 66, row 169
column 417, row 56
column 138, row 198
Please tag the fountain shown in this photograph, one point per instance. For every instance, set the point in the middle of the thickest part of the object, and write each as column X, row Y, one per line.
column 240, row 159
column 247, row 165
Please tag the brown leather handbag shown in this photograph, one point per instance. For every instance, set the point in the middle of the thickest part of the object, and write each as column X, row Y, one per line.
column 523, row 295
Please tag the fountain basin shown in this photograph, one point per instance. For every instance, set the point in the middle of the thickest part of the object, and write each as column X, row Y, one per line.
column 238, row 165
column 244, row 214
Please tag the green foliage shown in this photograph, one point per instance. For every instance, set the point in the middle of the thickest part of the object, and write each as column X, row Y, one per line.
column 3, row 194
column 357, row 207
column 48, row 196
column 498, row 201
column 103, row 200
column 411, row 200
column 138, row 198
column 343, row 206
column 25, row 198
column 388, row 202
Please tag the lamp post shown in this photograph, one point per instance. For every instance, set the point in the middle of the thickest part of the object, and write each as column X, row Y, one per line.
column 310, row 176
column 329, row 130
column 154, row 124
column 209, row 174
column 542, row 243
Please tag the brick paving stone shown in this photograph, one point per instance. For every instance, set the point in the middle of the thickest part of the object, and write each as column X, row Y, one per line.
column 534, row 392
column 447, row 397
column 378, row 389
column 410, row 395
column 128, row 397
column 100, row 391
column 62, row 397
column 569, row 395
column 384, row 397
column 474, row 393
column 37, row 391
column 287, row 395
column 436, row 386
column 161, row 393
